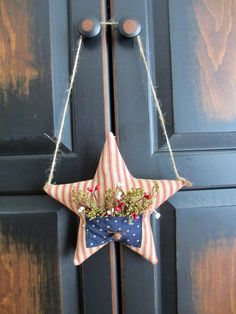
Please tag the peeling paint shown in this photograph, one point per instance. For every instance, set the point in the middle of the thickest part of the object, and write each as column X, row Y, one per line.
column 17, row 60
column 20, row 275
column 213, row 272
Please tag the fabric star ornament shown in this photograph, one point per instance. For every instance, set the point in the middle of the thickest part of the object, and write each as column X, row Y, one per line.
column 96, row 233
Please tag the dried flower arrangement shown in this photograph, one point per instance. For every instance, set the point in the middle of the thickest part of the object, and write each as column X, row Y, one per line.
column 116, row 202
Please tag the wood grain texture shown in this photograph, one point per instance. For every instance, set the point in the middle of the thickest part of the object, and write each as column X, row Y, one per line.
column 21, row 274
column 215, row 50
column 214, row 277
column 29, row 272
column 17, row 58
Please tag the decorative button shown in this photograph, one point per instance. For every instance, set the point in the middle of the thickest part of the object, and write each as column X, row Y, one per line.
column 89, row 27
column 129, row 27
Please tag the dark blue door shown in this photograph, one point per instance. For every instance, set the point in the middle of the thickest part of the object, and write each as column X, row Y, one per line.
column 190, row 47
column 191, row 52
column 38, row 235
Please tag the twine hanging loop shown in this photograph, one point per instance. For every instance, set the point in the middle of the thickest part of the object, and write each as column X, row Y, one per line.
column 156, row 102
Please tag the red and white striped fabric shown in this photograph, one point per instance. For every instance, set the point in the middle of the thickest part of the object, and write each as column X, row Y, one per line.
column 112, row 170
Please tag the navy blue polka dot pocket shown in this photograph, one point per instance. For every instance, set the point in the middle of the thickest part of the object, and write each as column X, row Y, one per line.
column 102, row 230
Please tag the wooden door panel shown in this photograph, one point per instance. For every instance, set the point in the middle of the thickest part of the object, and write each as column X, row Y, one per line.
column 205, row 250
column 25, row 72
column 27, row 87
column 213, row 139
column 203, row 79
column 177, row 38
column 32, row 90
column 203, row 65
column 31, row 107
column 33, row 255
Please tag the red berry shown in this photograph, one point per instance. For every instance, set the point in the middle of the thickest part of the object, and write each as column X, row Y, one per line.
column 135, row 216
column 97, row 187
column 90, row 189
column 118, row 209
column 147, row 196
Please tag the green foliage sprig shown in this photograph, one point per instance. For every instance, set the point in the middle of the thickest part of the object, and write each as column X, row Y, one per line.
column 115, row 202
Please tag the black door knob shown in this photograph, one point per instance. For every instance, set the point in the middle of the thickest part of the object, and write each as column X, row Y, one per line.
column 89, row 27
column 129, row 27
